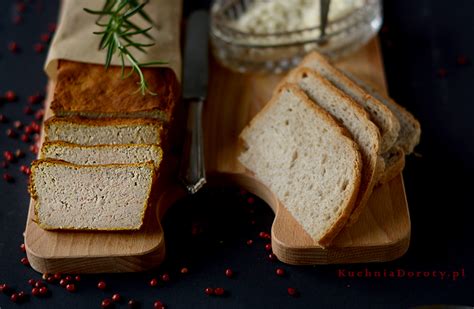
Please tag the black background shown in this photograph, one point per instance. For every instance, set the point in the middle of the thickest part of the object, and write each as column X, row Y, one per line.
column 420, row 38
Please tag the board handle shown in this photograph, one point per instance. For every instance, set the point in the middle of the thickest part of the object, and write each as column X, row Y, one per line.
column 192, row 170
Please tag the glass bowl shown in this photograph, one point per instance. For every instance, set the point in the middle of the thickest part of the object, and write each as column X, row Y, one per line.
column 280, row 51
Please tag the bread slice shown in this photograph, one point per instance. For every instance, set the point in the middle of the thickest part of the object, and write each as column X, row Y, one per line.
column 354, row 118
column 103, row 131
column 298, row 150
column 90, row 90
column 410, row 129
column 102, row 154
column 382, row 116
column 91, row 197
column 394, row 164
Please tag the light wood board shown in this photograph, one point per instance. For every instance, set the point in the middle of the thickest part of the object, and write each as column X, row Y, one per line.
column 383, row 230
column 381, row 234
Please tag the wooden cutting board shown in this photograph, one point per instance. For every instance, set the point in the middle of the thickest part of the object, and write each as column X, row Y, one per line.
column 381, row 234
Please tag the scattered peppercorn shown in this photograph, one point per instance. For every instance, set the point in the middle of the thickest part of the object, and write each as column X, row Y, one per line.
column 45, row 37
column 249, row 242
column 4, row 288
column 13, row 47
column 77, row 278
column 43, row 290
column 63, row 282
column 209, row 291
column 14, row 297
column 7, row 177
column 10, row 96
column 31, row 282
column 102, row 285
column 52, row 27
column 71, row 287
column 165, row 277
column 280, row 272
column 219, row 291
column 272, row 257
column 39, row 284
column 184, row 270
column 268, row 247
column 28, row 110
column 17, row 19
column 116, row 298
column 11, row 133
column 25, row 261
column 442, row 73
column 292, row 292
column 158, row 305
column 132, row 303
column 39, row 48
column 462, row 60
column 35, row 291
column 106, row 303
column 21, row 7
column 153, row 282
column 19, row 154
column 229, row 273
column 23, row 248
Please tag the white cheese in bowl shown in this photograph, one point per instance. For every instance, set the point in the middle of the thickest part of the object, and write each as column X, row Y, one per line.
column 274, row 16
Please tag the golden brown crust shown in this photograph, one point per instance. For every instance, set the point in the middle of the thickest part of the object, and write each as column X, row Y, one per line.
column 34, row 196
column 326, row 239
column 389, row 131
column 91, row 90
column 104, row 121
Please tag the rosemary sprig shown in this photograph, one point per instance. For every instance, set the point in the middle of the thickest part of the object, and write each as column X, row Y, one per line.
column 118, row 36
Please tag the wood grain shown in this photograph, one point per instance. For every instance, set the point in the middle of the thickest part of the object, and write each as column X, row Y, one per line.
column 381, row 234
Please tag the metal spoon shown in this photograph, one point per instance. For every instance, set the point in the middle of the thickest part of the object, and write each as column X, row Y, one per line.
column 323, row 18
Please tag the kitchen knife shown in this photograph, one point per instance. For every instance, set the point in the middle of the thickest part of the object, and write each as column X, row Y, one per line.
column 192, row 169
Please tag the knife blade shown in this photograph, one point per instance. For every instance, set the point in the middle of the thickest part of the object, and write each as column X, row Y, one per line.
column 192, row 169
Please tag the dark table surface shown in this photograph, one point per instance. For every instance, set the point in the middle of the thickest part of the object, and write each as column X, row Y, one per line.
column 425, row 45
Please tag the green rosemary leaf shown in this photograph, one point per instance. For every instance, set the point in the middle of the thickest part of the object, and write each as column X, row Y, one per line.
column 117, row 34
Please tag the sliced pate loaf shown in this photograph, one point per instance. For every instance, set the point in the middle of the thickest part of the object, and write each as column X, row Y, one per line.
column 298, row 150
column 91, row 197
column 382, row 116
column 354, row 118
column 91, row 91
column 103, row 131
column 410, row 129
column 102, row 154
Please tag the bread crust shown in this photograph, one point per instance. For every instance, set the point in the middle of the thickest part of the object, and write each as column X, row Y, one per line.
column 389, row 132
column 349, row 204
column 34, row 195
column 394, row 165
column 105, row 121
column 91, row 90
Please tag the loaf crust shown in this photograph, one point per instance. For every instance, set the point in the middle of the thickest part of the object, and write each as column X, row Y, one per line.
column 89, row 90
column 34, row 195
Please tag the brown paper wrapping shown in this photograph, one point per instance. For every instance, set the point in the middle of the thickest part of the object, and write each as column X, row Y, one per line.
column 74, row 39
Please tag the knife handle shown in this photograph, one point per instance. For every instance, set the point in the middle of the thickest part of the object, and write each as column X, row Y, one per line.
column 192, row 170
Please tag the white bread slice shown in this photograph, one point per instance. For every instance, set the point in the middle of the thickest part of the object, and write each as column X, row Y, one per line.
column 102, row 154
column 382, row 116
column 355, row 119
column 103, row 131
column 302, row 155
column 91, row 197
column 410, row 129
